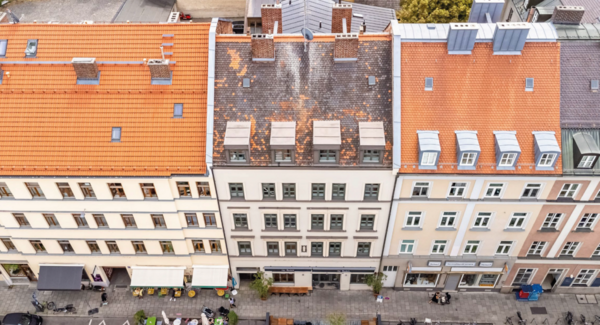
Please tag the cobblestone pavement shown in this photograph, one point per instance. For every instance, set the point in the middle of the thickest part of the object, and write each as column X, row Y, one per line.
column 465, row 307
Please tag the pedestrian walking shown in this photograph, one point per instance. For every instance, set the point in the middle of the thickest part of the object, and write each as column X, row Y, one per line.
column 232, row 303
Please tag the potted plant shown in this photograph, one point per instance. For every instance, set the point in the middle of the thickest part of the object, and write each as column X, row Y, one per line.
column 261, row 285
column 233, row 318
column 13, row 269
column 375, row 281
column 139, row 317
column 336, row 319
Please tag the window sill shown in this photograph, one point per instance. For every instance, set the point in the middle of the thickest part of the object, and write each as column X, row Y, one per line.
column 445, row 229
column 480, row 229
column 241, row 230
column 514, row 229
column 321, row 230
column 583, row 230
column 548, row 230
column 565, row 257
column 412, row 228
column 366, row 230
column 151, row 199
column 237, row 199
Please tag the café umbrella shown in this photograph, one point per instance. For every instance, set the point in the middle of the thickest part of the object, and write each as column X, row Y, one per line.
column 204, row 319
column 165, row 317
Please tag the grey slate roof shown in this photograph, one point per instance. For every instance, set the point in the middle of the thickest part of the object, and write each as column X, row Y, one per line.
column 145, row 11
column 579, row 64
column 303, row 87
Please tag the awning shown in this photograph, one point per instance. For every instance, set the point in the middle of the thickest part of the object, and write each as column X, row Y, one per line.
column 478, row 269
column 60, row 277
column 210, row 276
column 155, row 276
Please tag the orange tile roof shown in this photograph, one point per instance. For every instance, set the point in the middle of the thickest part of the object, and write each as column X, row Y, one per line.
column 49, row 125
column 480, row 92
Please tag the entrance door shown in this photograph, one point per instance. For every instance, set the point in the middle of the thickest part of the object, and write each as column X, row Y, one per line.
column 551, row 279
column 326, row 281
column 452, row 282
column 391, row 272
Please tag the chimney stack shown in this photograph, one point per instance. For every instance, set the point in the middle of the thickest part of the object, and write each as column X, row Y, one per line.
column 346, row 48
column 269, row 15
column 159, row 69
column 85, row 68
column 224, row 26
column 461, row 38
column 510, row 38
column 338, row 13
column 568, row 15
column 263, row 48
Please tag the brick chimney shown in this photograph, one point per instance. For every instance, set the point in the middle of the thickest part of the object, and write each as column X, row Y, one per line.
column 568, row 15
column 338, row 13
column 269, row 15
column 346, row 48
column 159, row 69
column 85, row 68
column 263, row 47
column 224, row 27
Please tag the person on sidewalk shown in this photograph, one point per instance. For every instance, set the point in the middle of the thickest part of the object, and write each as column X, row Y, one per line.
column 435, row 298
column 232, row 303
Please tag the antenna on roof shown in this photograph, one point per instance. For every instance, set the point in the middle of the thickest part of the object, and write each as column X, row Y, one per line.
column 162, row 53
column 13, row 17
column 307, row 33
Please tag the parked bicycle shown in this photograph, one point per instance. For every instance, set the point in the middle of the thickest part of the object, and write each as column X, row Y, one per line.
column 508, row 321
column 569, row 318
column 521, row 320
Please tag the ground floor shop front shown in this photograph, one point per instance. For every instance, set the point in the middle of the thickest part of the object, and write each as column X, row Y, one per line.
column 560, row 276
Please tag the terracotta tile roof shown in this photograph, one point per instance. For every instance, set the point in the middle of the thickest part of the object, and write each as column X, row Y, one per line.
column 49, row 125
column 480, row 92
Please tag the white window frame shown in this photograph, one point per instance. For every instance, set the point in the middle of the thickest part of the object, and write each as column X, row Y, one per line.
column 412, row 246
column 443, row 215
column 537, row 246
column 592, row 216
column 568, row 188
column 583, row 272
column 524, row 217
column 493, row 187
column 596, row 252
column 553, row 217
column 587, row 161
column 547, row 160
column 466, row 157
column 472, row 247
column 458, row 186
column 484, row 216
column 503, row 245
column 414, row 215
column 426, row 158
column 570, row 246
column 539, row 190
column 421, row 186
column 435, row 243
column 509, row 159
column 529, row 278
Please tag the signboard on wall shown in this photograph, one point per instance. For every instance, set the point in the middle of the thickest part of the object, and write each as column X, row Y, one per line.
column 462, row 264
column 434, row 263
column 486, row 264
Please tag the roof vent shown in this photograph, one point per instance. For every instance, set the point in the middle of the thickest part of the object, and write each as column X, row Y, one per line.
column 568, row 15
column 173, row 17
column 461, row 38
column 263, row 48
column 481, row 9
column 86, row 70
column 510, row 38
column 346, row 48
column 159, row 71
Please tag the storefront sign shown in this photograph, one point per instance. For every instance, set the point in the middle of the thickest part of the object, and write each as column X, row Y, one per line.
column 453, row 263
column 486, row 264
column 434, row 263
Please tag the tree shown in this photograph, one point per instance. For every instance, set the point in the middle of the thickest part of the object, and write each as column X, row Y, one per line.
column 261, row 284
column 336, row 319
column 434, row 11
column 375, row 281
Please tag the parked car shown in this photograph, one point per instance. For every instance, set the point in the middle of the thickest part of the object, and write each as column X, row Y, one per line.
column 22, row 319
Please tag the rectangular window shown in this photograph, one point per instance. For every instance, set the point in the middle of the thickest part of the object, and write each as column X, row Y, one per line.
column 117, row 190
column 21, row 219
column 317, row 221
column 413, row 219
column 38, row 246
column 236, row 190
column 184, row 189
column 595, row 254
column 358, row 279
column 35, row 190
column 115, row 134
column 80, row 220
column 428, row 158
column 448, row 219
column 523, row 276
column 87, row 190
column 338, row 192
column 494, row 190
column 65, row 190
column 316, row 249
column 128, row 221
column 569, row 249
column 457, row 189
column 429, row 84
column 537, row 248
column 364, row 249
column 517, row 220
column 504, row 248
column 93, row 245
column 507, row 159
column 367, row 221
column 167, row 247
column 291, row 249
column 528, row 84
column 3, row 45
column 327, row 156
column 148, row 190
column 371, row 156
column 283, row 155
column 439, row 246
column 9, row 244
column 568, row 191
column 113, row 247
column 203, row 189
column 31, row 49
column 198, row 246
column 552, row 220
column 289, row 221
column 215, row 246
column 283, row 278
column 268, row 190
column 158, row 220
column 244, row 248
column 587, row 221
column 584, row 278
column 586, row 162
column 335, row 249
column 273, row 248
column 318, row 191
column 421, row 189
column 482, row 220
column 336, row 222
column 240, row 220
column 270, row 221
column 66, row 246
column 237, row 156
column 139, row 247
column 468, row 159
column 210, row 220
column 371, row 192
column 191, row 219
column 407, row 246
column 4, row 190
column 100, row 220
column 289, row 191
column 531, row 191
column 471, row 247
column 177, row 110
column 51, row 220
column 547, row 160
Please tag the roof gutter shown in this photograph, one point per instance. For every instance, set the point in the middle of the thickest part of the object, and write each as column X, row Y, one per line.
column 396, row 93
column 210, row 91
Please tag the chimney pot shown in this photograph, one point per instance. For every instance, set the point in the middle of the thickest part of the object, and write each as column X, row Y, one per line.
column 338, row 14
column 346, row 48
column 568, row 15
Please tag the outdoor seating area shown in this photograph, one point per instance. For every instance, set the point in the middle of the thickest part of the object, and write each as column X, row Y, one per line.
column 296, row 291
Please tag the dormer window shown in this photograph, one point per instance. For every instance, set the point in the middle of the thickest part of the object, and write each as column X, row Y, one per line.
column 283, row 155
column 237, row 142
column 237, row 155
column 428, row 158
column 547, row 159
column 587, row 162
column 372, row 142
column 546, row 150
column 31, row 49
column 327, row 140
column 283, row 142
column 467, row 149
column 429, row 149
column 508, row 159
column 585, row 150
column 507, row 149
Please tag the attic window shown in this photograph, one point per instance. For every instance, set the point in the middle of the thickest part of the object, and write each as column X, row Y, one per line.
column 429, row 84
column 595, row 85
column 3, row 44
column 31, row 49
column 529, row 84
column 246, row 82
column 178, row 111
column 116, row 134
column 372, row 81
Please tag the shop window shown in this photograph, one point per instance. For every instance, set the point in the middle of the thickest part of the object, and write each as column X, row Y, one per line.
column 209, row 219
column 93, row 245
column 318, row 191
column 371, row 192
column 289, row 221
column 236, row 190
column 568, row 191
column 584, row 278
column 240, row 220
column 291, row 249
column 552, row 221
column 407, row 246
column 159, row 221
column 517, row 221
column 148, row 190
column 569, row 248
column 198, row 246
column 472, row 247
column 421, row 280
column 113, row 248
column 35, row 190
column 8, row 244
column 448, row 219
column 338, row 192
column 271, row 221
column 478, row 280
column 244, row 248
column 316, row 249
column 5, row 191
column 457, row 190
column 167, row 247
column 317, row 221
column 203, row 189
column 184, row 189
column 80, row 220
column 364, row 249
column 191, row 219
column 268, row 190
column 335, row 249
column 587, row 221
column 494, row 190
column 139, row 247
column 367, row 221
column 87, row 190
column 38, row 246
column 439, row 246
column 421, row 189
column 537, row 248
column 358, row 279
column 215, row 246
column 21, row 220
column 51, row 220
column 336, row 221
column 100, row 220
column 413, row 219
column 66, row 246
column 523, row 276
column 128, row 221
column 283, row 277
column 504, row 248
column 531, row 191
column 289, row 191
column 65, row 190
column 273, row 248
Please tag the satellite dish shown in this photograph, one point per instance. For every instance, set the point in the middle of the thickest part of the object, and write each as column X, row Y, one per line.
column 307, row 33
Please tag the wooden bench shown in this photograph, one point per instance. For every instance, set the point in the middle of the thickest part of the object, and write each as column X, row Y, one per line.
column 296, row 291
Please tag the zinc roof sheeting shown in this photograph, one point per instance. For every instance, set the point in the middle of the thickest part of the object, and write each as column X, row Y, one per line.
column 467, row 140
column 546, row 141
column 429, row 140
column 539, row 32
column 507, row 141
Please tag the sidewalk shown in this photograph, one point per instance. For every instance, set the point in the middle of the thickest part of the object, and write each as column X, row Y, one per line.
column 465, row 307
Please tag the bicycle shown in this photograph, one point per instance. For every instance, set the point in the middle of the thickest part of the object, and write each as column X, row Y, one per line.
column 569, row 318
column 508, row 321
column 521, row 320
column 583, row 320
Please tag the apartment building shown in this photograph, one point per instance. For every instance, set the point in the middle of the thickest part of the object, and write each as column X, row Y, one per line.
column 103, row 172
column 303, row 154
column 479, row 151
column 563, row 253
